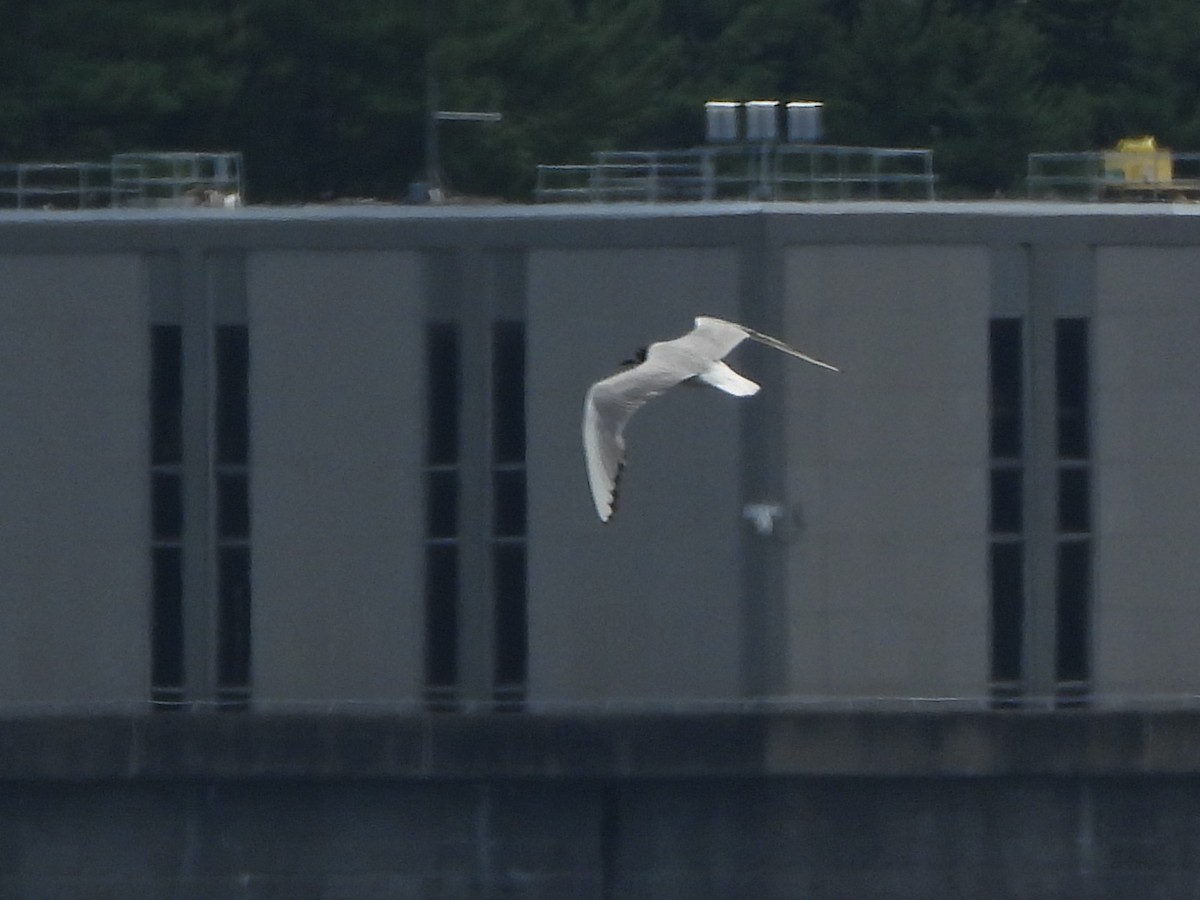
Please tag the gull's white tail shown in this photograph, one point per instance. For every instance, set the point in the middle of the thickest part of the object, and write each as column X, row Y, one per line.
column 720, row 375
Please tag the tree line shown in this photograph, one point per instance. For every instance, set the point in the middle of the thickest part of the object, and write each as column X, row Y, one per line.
column 330, row 100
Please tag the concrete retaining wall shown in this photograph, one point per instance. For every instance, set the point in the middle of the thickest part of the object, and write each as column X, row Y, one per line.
column 863, row 805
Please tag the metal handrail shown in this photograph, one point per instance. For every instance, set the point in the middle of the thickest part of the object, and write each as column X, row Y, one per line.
column 752, row 171
column 129, row 179
column 1089, row 175
column 81, row 185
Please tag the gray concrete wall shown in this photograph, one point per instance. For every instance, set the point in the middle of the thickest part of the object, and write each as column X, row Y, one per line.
column 1147, row 388
column 74, row 479
column 648, row 605
column 817, row 806
column 886, row 466
column 984, row 839
column 878, row 589
column 337, row 393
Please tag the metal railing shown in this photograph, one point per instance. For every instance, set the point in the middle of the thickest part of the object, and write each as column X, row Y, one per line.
column 750, row 172
column 46, row 185
column 624, row 176
column 820, row 172
column 129, row 179
column 180, row 178
column 1097, row 175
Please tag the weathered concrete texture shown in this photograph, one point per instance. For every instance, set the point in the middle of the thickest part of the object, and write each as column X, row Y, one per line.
column 863, row 805
column 996, row 837
column 238, row 746
column 296, row 840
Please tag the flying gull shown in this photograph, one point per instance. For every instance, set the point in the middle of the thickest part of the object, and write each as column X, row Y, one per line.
column 611, row 403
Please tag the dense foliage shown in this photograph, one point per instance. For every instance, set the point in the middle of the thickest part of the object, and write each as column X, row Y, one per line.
column 329, row 99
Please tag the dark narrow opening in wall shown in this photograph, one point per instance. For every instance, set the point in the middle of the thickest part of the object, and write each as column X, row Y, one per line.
column 166, row 657
column 1006, row 357
column 1006, row 518
column 442, row 394
column 441, row 504
column 1073, row 589
column 1071, row 375
column 508, row 392
column 1074, row 500
column 166, row 506
column 443, row 480
column 510, row 624
column 233, row 506
column 1007, row 506
column 166, row 515
column 166, row 395
column 509, row 513
column 1008, row 611
column 233, row 626
column 441, row 618
column 1073, row 561
column 231, row 487
column 232, row 401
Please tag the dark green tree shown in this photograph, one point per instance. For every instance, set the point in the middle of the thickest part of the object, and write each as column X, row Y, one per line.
column 988, row 103
column 1161, row 93
column 569, row 79
column 328, row 100
column 83, row 78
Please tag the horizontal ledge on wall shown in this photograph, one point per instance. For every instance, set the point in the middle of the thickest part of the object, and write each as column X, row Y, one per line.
column 250, row 745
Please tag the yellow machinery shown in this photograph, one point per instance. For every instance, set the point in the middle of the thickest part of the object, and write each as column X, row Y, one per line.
column 1137, row 162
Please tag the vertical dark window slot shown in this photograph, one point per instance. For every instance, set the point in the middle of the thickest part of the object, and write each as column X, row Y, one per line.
column 1073, row 558
column 510, row 624
column 166, row 639
column 1007, row 509
column 233, row 657
column 233, row 385
column 441, row 621
column 1071, row 378
column 1073, row 589
column 1008, row 612
column 1006, row 357
column 233, row 506
column 166, row 516
column 166, row 395
column 508, row 507
column 509, row 514
column 508, row 393
column 1006, row 365
column 441, row 505
column 443, row 396
column 1074, row 500
column 231, row 486
column 166, row 507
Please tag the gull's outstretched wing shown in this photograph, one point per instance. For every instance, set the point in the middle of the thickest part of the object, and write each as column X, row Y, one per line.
column 611, row 402
column 604, row 419
column 780, row 345
column 717, row 336
column 607, row 409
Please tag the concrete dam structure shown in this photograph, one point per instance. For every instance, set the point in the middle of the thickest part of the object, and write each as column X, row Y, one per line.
column 304, row 594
